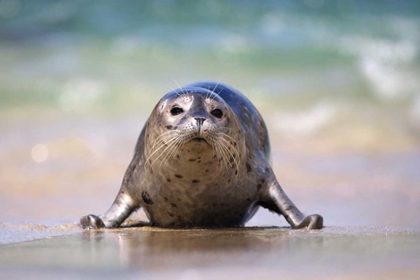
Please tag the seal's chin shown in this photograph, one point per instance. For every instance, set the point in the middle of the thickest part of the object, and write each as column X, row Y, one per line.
column 198, row 145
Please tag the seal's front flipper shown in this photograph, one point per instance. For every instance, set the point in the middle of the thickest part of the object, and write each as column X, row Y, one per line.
column 313, row 221
column 275, row 199
column 122, row 207
column 91, row 222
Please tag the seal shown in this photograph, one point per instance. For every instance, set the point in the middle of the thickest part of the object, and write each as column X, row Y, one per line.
column 202, row 160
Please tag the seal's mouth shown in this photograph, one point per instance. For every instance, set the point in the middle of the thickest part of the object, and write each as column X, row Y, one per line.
column 198, row 139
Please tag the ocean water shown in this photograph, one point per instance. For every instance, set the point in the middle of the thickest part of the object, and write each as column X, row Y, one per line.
column 74, row 53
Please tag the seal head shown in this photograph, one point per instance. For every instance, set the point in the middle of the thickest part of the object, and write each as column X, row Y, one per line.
column 196, row 125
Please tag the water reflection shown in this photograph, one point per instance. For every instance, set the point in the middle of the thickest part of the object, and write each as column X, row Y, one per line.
column 174, row 248
column 370, row 249
column 248, row 253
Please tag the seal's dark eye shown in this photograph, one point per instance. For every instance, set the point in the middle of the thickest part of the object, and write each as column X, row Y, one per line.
column 176, row 111
column 217, row 113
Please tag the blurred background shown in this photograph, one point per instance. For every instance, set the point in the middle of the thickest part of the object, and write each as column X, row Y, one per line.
column 337, row 81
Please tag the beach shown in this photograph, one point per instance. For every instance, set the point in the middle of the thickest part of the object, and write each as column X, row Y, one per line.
column 336, row 84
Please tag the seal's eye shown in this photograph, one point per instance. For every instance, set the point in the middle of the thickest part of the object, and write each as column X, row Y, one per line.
column 176, row 111
column 217, row 113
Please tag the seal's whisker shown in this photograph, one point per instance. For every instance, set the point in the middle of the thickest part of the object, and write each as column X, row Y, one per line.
column 233, row 152
column 158, row 154
column 183, row 92
column 226, row 154
column 208, row 95
column 224, row 151
column 235, row 167
column 218, row 93
column 165, row 134
column 213, row 145
column 212, row 94
column 177, row 93
column 230, row 142
column 215, row 86
column 163, row 141
column 228, row 136
column 175, row 141
column 213, row 90
column 219, row 156
column 166, row 152
column 167, row 144
column 170, row 151
column 177, row 145
column 232, row 158
column 233, row 144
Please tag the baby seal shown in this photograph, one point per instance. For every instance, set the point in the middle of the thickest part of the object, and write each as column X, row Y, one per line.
column 202, row 161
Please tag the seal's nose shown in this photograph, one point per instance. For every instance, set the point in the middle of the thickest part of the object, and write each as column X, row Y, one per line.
column 200, row 121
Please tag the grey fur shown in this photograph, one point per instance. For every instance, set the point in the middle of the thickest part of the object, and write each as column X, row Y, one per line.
column 202, row 167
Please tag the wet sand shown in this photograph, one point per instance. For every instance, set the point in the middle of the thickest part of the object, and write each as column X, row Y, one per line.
column 249, row 253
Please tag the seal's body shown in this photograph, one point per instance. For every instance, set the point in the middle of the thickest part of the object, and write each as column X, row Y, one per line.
column 202, row 160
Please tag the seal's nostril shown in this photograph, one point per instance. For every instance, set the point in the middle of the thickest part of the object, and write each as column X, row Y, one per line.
column 200, row 121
